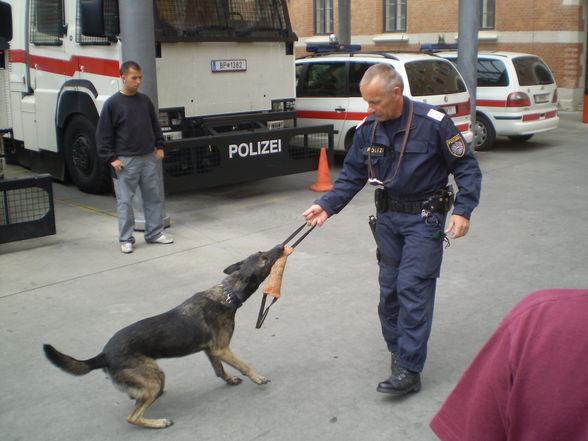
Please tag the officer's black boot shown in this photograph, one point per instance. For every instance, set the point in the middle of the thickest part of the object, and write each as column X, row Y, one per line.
column 401, row 382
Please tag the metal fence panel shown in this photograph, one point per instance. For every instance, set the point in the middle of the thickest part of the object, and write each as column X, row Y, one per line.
column 26, row 208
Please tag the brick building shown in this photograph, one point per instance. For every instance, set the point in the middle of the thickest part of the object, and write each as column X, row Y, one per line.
column 552, row 29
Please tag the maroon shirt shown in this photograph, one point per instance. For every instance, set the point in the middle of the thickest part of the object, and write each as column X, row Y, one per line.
column 530, row 380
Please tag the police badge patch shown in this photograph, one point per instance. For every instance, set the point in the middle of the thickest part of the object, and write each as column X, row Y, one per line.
column 456, row 146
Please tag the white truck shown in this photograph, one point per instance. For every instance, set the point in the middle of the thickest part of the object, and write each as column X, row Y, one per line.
column 225, row 88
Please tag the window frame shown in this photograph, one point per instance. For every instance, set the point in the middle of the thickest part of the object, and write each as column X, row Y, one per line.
column 327, row 21
column 487, row 15
column 395, row 5
column 35, row 25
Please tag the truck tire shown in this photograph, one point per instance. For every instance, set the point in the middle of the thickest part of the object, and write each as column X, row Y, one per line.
column 85, row 168
column 485, row 133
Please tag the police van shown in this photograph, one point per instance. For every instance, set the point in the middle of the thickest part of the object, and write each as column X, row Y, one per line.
column 327, row 89
column 225, row 87
column 516, row 96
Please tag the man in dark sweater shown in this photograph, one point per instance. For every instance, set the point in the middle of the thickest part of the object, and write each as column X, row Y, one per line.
column 130, row 140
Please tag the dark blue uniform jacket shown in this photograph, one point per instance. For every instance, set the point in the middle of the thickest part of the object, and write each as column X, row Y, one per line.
column 434, row 150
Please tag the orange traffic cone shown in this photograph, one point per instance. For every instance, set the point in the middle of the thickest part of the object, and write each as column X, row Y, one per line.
column 323, row 179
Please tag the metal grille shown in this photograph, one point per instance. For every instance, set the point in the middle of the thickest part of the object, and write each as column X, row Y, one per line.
column 308, row 145
column 47, row 22
column 5, row 109
column 26, row 208
column 23, row 205
column 111, row 24
column 194, row 160
column 218, row 20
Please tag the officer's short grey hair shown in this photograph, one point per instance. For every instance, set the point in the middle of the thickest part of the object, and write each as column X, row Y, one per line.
column 389, row 76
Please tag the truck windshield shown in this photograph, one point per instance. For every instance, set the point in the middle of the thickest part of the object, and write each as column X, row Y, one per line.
column 222, row 20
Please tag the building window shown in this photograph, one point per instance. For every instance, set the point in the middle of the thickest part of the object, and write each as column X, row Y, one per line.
column 487, row 11
column 47, row 26
column 323, row 16
column 394, row 15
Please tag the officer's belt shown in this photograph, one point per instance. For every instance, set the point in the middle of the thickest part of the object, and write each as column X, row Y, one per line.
column 410, row 207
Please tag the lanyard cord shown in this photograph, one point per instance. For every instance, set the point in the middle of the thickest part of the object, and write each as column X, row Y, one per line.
column 371, row 174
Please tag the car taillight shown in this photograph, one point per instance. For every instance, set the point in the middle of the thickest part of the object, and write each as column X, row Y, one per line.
column 518, row 99
column 554, row 99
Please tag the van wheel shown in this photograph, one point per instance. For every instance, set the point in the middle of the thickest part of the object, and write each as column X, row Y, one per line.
column 485, row 133
column 520, row 138
column 349, row 139
column 85, row 168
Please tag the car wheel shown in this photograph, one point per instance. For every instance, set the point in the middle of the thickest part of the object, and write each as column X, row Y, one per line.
column 485, row 133
column 85, row 168
column 520, row 138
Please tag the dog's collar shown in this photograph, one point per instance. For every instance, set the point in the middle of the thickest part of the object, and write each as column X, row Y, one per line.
column 231, row 297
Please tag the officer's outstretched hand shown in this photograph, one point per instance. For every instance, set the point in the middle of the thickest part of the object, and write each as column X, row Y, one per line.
column 459, row 225
column 315, row 215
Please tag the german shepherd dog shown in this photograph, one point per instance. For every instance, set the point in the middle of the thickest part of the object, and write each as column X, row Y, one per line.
column 204, row 322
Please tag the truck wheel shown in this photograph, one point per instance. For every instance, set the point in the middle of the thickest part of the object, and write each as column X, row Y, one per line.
column 485, row 133
column 85, row 168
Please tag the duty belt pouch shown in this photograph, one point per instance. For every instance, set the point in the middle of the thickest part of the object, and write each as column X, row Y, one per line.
column 441, row 201
column 381, row 200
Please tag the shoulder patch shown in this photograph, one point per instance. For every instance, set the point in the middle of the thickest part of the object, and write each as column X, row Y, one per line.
column 456, row 146
column 361, row 123
column 435, row 114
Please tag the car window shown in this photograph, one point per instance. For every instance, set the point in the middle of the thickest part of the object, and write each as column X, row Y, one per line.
column 299, row 71
column 492, row 73
column 356, row 71
column 532, row 71
column 323, row 80
column 433, row 77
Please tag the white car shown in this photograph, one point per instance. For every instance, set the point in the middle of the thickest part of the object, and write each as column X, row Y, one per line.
column 516, row 96
column 327, row 89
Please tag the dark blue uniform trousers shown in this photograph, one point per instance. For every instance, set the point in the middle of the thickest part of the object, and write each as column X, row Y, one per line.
column 410, row 262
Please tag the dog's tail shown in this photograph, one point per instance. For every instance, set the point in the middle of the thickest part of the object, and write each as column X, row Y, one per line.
column 71, row 365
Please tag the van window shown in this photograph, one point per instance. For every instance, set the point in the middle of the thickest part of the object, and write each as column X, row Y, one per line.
column 531, row 71
column 47, row 22
column 433, row 77
column 323, row 80
column 492, row 73
column 356, row 71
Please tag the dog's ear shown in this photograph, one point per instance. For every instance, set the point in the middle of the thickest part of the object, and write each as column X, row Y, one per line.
column 232, row 268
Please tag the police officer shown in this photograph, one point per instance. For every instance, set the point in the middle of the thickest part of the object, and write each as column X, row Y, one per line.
column 408, row 150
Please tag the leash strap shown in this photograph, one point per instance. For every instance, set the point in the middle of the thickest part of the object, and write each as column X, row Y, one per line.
column 263, row 311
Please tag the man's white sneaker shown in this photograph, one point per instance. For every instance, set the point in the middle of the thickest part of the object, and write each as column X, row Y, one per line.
column 162, row 239
column 126, row 247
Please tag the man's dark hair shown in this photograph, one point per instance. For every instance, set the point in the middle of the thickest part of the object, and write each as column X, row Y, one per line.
column 128, row 65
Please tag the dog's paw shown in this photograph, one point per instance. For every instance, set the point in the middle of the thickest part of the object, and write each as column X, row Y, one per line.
column 258, row 379
column 233, row 381
column 161, row 423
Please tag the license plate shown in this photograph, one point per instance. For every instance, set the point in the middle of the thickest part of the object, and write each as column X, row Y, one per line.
column 451, row 110
column 542, row 98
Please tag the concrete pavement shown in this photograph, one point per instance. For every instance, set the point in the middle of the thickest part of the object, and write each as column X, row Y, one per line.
column 321, row 344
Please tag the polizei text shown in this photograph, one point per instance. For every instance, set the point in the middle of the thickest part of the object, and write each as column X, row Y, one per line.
column 246, row 149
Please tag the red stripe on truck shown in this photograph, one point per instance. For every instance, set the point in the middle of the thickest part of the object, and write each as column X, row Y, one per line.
column 92, row 65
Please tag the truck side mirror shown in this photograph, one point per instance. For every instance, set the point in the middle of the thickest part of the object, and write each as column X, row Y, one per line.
column 92, row 18
column 5, row 25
